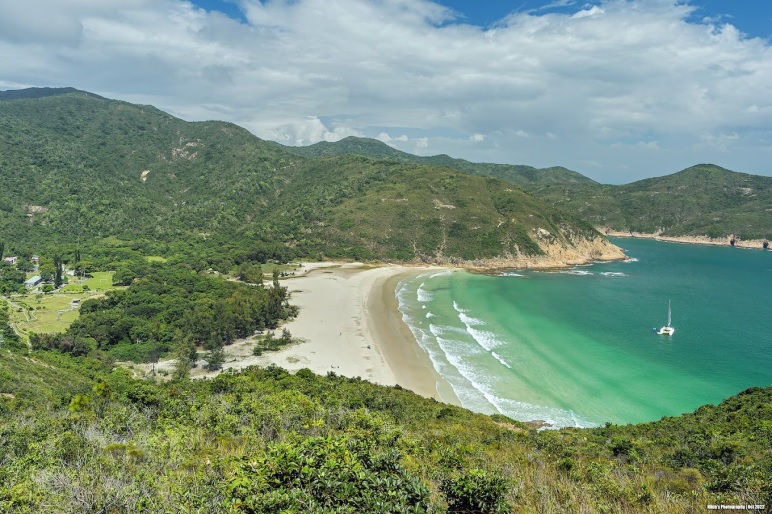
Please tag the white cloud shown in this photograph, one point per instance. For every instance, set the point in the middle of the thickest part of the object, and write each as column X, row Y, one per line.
column 386, row 138
column 597, row 82
column 477, row 138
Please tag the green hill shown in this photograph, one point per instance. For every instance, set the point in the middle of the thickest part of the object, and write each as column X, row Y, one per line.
column 81, row 169
column 520, row 175
column 701, row 200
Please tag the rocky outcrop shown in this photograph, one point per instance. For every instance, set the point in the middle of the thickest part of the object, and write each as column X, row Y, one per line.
column 557, row 254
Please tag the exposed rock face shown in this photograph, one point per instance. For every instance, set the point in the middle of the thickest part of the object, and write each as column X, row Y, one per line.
column 560, row 254
column 557, row 254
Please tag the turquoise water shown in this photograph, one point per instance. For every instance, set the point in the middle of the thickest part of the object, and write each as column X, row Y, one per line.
column 576, row 348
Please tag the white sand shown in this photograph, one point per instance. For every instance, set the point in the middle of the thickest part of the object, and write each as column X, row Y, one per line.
column 350, row 325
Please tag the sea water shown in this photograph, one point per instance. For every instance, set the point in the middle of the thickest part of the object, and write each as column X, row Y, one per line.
column 577, row 347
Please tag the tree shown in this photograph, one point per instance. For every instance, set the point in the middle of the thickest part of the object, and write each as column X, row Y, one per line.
column 184, row 350
column 57, row 271
column 215, row 358
column 123, row 276
column 2, row 249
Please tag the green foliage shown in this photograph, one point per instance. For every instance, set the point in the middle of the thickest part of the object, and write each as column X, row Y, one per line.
column 170, row 304
column 81, row 437
column 704, row 200
column 210, row 195
column 476, row 490
column 522, row 176
column 8, row 337
column 326, row 474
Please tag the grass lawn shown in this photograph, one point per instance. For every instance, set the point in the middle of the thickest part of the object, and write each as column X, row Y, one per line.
column 53, row 312
column 155, row 258
column 101, row 281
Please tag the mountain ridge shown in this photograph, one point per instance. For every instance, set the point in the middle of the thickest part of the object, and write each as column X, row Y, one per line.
column 80, row 167
column 703, row 200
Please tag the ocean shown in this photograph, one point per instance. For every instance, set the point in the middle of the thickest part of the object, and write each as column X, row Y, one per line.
column 578, row 347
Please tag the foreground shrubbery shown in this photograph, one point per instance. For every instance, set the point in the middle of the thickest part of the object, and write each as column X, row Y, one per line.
column 268, row 441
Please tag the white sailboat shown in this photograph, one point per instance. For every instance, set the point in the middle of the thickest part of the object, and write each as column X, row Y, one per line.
column 667, row 329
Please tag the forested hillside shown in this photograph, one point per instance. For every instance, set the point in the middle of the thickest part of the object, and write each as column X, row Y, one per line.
column 164, row 204
column 518, row 174
column 703, row 200
column 79, row 169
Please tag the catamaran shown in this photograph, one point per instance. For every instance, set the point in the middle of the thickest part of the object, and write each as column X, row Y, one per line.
column 667, row 329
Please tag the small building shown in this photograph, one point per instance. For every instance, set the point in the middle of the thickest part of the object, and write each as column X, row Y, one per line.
column 32, row 281
column 11, row 260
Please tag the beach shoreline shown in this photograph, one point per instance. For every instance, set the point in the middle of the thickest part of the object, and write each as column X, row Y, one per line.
column 348, row 324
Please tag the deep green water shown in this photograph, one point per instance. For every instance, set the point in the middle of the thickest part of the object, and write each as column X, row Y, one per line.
column 577, row 347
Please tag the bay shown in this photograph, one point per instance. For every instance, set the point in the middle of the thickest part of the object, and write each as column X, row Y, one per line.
column 577, row 347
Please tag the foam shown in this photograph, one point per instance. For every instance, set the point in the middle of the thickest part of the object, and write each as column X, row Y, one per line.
column 613, row 274
column 450, row 354
column 422, row 294
column 510, row 274
column 501, row 360
column 576, row 272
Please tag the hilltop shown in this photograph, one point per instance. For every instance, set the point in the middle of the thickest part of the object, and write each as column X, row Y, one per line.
column 518, row 174
column 703, row 200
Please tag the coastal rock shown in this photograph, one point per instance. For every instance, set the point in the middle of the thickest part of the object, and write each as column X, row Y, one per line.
column 558, row 253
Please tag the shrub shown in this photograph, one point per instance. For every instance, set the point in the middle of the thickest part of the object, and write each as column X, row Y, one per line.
column 476, row 490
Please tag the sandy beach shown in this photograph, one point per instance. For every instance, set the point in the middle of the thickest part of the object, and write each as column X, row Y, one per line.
column 349, row 324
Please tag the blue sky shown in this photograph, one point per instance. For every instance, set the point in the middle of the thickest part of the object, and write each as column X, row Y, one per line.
column 753, row 17
column 618, row 90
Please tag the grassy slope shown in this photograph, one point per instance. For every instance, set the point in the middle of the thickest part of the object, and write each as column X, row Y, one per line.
column 701, row 200
column 264, row 440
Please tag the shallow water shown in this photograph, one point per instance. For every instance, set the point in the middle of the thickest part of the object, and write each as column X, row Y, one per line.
column 577, row 347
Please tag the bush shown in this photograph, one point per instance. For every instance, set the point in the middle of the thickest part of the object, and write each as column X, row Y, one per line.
column 476, row 490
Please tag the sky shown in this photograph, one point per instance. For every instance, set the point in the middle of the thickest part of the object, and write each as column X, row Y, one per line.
column 618, row 90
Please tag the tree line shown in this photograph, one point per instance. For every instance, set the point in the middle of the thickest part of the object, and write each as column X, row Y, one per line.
column 171, row 311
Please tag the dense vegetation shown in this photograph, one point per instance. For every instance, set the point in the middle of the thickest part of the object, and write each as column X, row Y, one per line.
column 97, row 184
column 518, row 174
column 75, row 437
column 704, row 200
column 170, row 309
column 83, row 172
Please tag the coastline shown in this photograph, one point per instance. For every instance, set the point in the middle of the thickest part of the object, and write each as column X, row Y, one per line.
column 349, row 324
column 755, row 244
column 409, row 363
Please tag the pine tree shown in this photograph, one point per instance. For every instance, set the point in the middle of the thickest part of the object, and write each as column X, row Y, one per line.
column 57, row 271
